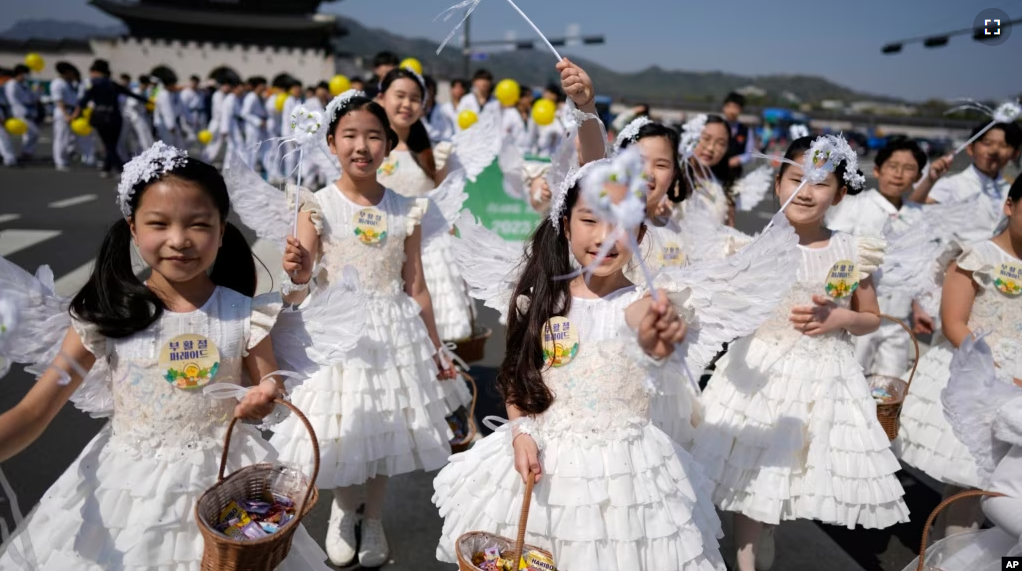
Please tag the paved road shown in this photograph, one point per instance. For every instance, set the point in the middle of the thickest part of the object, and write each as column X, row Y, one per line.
column 60, row 218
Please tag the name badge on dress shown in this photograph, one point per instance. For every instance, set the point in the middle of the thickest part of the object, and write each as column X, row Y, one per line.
column 189, row 361
column 388, row 168
column 842, row 280
column 671, row 255
column 370, row 226
column 1009, row 279
column 560, row 342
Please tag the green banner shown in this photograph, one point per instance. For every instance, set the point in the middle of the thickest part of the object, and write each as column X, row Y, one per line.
column 510, row 218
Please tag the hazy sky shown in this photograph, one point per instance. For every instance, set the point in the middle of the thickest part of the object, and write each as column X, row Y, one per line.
column 837, row 39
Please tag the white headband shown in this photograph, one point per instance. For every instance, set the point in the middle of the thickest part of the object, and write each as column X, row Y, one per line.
column 631, row 132
column 153, row 163
column 340, row 102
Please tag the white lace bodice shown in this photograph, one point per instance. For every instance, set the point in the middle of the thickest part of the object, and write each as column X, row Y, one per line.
column 379, row 265
column 998, row 315
column 602, row 393
column 811, row 277
column 401, row 173
column 152, row 416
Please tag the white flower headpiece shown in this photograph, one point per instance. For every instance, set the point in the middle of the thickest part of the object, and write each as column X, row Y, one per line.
column 150, row 165
column 340, row 102
column 1008, row 112
column 631, row 131
column 691, row 131
column 825, row 154
column 616, row 189
column 561, row 191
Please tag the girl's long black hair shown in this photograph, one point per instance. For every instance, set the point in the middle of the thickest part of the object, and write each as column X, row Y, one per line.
column 520, row 378
column 803, row 144
column 418, row 142
column 678, row 190
column 118, row 303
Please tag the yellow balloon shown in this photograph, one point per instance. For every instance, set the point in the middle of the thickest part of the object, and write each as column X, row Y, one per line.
column 508, row 92
column 16, row 126
column 279, row 100
column 35, row 62
column 543, row 112
column 413, row 64
column 467, row 119
column 205, row 137
column 339, row 84
column 81, row 127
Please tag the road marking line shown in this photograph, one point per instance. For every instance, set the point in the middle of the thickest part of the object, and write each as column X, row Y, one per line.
column 73, row 201
column 12, row 241
column 71, row 282
column 9, row 217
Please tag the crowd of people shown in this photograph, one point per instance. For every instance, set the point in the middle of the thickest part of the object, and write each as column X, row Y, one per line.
column 633, row 285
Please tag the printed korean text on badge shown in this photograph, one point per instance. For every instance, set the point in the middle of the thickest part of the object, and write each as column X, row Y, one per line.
column 842, row 280
column 370, row 226
column 1009, row 280
column 189, row 361
column 671, row 255
column 560, row 341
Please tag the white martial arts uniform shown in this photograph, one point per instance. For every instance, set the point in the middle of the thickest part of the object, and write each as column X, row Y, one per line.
column 23, row 106
column 253, row 116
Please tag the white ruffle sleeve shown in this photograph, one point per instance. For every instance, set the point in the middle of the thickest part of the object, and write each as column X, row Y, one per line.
column 265, row 309
column 95, row 395
column 307, row 203
column 869, row 254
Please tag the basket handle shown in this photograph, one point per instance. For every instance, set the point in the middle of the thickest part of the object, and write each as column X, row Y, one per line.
column 520, row 537
column 916, row 347
column 472, row 411
column 937, row 510
column 308, row 427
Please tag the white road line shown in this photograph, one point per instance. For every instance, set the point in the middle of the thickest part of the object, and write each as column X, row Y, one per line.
column 9, row 217
column 71, row 282
column 12, row 241
column 73, row 201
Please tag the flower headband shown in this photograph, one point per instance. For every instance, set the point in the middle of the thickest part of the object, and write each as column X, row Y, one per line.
column 690, row 136
column 153, row 163
column 631, row 132
column 340, row 102
column 824, row 156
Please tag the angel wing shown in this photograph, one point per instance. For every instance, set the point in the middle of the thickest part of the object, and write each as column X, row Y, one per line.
column 511, row 162
column 43, row 320
column 324, row 329
column 478, row 146
column 730, row 298
column 450, row 196
column 261, row 207
column 751, row 189
column 703, row 238
column 909, row 260
column 489, row 264
column 972, row 400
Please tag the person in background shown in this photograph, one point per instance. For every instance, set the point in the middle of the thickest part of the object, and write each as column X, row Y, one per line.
column 64, row 93
column 459, row 87
column 23, row 106
column 214, row 126
column 230, row 117
column 253, row 116
column 740, row 147
column 549, row 136
column 383, row 63
column 628, row 116
column 518, row 124
column 168, row 112
column 438, row 124
column 191, row 105
column 482, row 95
column 104, row 96
column 10, row 158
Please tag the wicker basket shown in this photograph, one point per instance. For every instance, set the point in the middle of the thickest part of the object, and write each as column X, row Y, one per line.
column 888, row 412
column 463, row 445
column 513, row 547
column 222, row 553
column 473, row 348
column 921, row 565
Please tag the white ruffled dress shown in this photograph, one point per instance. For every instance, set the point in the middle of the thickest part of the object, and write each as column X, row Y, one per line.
column 790, row 429
column 616, row 494
column 453, row 309
column 127, row 502
column 926, row 440
column 381, row 413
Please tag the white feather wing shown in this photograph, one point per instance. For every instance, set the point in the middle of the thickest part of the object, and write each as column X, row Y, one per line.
column 750, row 190
column 261, row 207
column 730, row 298
column 478, row 146
column 489, row 264
column 450, row 195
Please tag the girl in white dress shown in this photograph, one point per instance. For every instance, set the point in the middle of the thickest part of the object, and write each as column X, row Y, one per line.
column 613, row 491
column 127, row 502
column 410, row 171
column 382, row 413
column 981, row 294
column 790, row 429
column 704, row 142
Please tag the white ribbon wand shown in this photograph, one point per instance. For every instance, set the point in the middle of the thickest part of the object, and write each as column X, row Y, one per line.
column 1007, row 112
column 471, row 5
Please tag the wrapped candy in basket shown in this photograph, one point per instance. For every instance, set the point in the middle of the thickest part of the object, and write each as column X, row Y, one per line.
column 480, row 551
column 248, row 519
column 890, row 392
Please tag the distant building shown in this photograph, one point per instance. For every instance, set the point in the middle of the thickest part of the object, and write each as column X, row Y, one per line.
column 832, row 105
column 251, row 37
column 752, row 91
column 882, row 108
